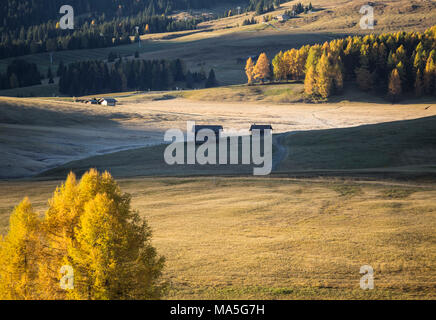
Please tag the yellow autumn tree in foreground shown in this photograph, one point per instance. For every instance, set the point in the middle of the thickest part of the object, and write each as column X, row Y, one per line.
column 89, row 229
column 18, row 254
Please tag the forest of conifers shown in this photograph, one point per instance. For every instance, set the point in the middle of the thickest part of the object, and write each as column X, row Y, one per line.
column 93, row 77
column 28, row 27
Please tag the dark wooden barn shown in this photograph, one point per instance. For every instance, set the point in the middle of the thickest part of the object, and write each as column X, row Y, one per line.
column 261, row 127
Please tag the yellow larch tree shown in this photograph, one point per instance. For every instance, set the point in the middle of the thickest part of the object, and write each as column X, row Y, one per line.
column 430, row 73
column 262, row 68
column 249, row 70
column 90, row 228
column 310, row 82
column 418, row 84
column 19, row 255
column 313, row 57
column 113, row 257
column 337, row 76
column 293, row 64
column 288, row 60
column 280, row 68
column 61, row 218
column 395, row 89
column 324, row 81
column 301, row 61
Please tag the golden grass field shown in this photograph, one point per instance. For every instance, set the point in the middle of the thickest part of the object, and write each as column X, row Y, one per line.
column 227, row 235
column 280, row 238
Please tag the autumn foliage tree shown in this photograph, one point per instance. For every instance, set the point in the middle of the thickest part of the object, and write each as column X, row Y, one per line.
column 430, row 73
column 369, row 61
column 19, row 253
column 364, row 79
column 395, row 85
column 262, row 68
column 310, row 82
column 91, row 227
column 249, row 70
column 324, row 80
column 280, row 67
column 419, row 89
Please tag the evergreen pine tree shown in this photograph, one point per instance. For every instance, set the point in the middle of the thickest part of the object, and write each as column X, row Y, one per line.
column 50, row 76
column 61, row 69
column 211, row 80
column 418, row 84
column 364, row 78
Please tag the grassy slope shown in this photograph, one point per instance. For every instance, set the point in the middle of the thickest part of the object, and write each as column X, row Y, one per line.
column 217, row 44
column 43, row 90
column 276, row 93
column 373, row 150
column 396, row 144
column 236, row 238
column 147, row 161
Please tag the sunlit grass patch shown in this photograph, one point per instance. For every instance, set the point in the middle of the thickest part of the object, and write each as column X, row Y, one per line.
column 398, row 193
column 271, row 92
column 279, row 238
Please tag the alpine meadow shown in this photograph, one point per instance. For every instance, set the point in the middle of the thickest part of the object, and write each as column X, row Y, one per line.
column 132, row 133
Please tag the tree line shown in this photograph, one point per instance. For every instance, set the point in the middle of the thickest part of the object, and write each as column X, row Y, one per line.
column 299, row 8
column 92, row 77
column 30, row 27
column 15, row 14
column 264, row 6
column 391, row 64
column 89, row 245
column 20, row 73
column 92, row 33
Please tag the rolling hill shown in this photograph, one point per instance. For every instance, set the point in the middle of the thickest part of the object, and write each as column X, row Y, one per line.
column 401, row 149
column 221, row 44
